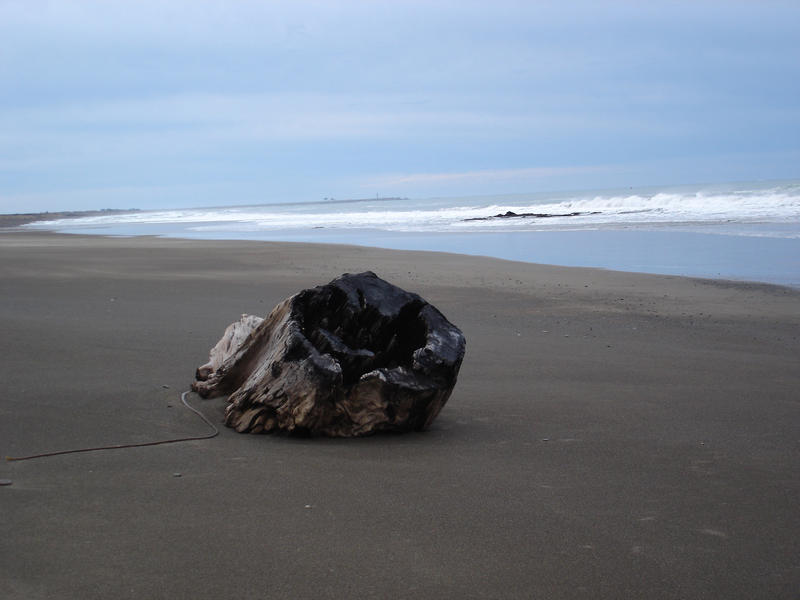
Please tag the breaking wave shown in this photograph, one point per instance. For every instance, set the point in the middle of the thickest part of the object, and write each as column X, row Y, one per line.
column 742, row 204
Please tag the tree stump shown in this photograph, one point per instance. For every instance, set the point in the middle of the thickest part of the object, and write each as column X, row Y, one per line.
column 350, row 358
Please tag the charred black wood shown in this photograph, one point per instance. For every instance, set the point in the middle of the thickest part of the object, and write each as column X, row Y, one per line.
column 353, row 357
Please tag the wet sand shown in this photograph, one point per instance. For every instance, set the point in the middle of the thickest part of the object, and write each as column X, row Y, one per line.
column 612, row 435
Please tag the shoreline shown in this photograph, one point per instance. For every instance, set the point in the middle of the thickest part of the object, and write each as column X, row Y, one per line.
column 678, row 252
column 611, row 434
column 14, row 220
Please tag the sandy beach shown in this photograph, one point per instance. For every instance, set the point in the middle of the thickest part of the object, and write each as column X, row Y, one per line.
column 612, row 435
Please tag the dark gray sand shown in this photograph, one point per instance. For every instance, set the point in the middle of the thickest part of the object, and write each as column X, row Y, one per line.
column 611, row 435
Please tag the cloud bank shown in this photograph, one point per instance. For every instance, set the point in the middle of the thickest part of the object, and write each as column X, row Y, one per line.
column 254, row 102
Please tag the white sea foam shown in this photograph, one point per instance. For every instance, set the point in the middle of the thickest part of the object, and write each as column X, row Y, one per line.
column 661, row 228
column 756, row 203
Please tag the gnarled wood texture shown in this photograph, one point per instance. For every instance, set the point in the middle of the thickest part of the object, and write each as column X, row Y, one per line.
column 349, row 358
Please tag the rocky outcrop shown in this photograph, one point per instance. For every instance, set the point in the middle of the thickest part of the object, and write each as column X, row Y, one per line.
column 353, row 357
column 512, row 215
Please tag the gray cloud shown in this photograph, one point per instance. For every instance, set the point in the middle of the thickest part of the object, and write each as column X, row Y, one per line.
column 111, row 95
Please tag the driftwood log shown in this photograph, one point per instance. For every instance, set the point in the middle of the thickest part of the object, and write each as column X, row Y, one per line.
column 350, row 358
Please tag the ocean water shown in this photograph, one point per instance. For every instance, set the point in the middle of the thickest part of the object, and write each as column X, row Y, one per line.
column 742, row 231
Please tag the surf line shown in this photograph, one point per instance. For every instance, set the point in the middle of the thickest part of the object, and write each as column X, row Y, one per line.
column 207, row 436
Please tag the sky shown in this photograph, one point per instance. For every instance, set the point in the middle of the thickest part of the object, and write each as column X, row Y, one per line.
column 168, row 104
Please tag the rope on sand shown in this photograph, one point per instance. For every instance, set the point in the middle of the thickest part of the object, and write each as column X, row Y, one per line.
column 214, row 433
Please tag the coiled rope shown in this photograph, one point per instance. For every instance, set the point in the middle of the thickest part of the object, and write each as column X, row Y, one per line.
column 214, row 433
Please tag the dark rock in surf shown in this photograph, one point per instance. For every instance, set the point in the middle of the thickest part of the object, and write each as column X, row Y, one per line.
column 350, row 358
column 512, row 215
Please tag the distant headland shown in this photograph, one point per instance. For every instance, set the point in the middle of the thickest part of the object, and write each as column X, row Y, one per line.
column 17, row 219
